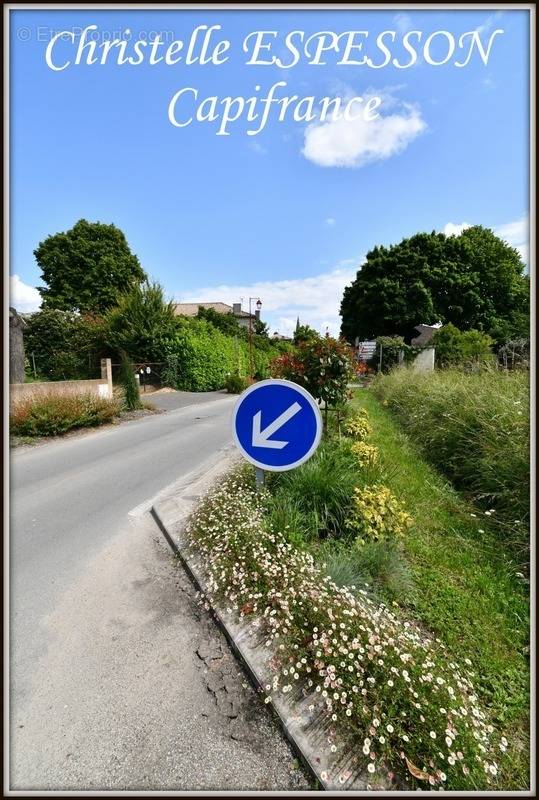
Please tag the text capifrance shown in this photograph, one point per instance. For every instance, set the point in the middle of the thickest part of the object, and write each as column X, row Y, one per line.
column 206, row 46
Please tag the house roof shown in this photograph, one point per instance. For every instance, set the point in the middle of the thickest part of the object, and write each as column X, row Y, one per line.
column 16, row 317
column 426, row 332
column 191, row 309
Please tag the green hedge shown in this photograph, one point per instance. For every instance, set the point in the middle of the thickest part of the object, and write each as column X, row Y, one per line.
column 200, row 357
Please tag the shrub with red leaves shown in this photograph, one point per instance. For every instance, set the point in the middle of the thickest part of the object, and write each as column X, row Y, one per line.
column 324, row 367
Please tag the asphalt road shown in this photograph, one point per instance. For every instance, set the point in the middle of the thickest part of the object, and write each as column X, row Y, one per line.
column 105, row 683
column 170, row 401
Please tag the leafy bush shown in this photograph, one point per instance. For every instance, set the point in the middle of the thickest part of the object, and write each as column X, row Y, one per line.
column 53, row 415
column 358, row 425
column 289, row 367
column 65, row 345
column 377, row 514
column 128, row 381
column 200, row 356
column 235, row 384
column 304, row 333
column 454, row 347
column 141, row 323
column 475, row 429
column 324, row 367
column 226, row 323
column 366, row 454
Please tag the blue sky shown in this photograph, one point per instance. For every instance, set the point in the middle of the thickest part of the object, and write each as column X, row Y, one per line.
column 288, row 214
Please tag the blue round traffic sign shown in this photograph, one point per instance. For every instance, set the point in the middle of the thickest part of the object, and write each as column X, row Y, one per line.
column 277, row 425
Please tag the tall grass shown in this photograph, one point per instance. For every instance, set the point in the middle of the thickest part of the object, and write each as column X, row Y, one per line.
column 54, row 415
column 322, row 488
column 468, row 590
column 474, row 428
column 377, row 567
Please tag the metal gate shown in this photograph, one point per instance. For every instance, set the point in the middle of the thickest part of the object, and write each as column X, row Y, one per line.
column 148, row 373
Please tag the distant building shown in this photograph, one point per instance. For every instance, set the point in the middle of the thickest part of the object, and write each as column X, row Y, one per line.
column 280, row 338
column 191, row 310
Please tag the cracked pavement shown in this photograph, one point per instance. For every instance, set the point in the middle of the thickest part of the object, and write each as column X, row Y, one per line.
column 139, row 690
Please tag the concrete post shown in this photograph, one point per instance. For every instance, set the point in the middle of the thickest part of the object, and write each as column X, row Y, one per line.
column 106, row 373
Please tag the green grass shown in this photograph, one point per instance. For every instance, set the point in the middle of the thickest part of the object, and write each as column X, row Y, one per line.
column 467, row 590
column 473, row 427
column 377, row 567
column 321, row 489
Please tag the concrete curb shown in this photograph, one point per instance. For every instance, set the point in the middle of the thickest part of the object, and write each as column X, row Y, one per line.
column 306, row 731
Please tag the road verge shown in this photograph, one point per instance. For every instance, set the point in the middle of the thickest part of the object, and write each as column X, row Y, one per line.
column 305, row 731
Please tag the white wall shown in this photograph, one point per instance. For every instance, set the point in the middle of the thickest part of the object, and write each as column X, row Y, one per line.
column 424, row 361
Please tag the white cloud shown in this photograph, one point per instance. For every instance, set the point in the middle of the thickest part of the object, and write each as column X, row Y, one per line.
column 331, row 221
column 344, row 143
column 316, row 300
column 488, row 83
column 455, row 229
column 489, row 22
column 516, row 233
column 256, row 147
column 402, row 22
column 23, row 297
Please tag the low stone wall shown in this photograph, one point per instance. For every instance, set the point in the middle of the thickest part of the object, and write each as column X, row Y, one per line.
column 102, row 387
column 23, row 391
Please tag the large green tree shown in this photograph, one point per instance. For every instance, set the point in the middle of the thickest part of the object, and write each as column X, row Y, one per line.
column 475, row 280
column 86, row 267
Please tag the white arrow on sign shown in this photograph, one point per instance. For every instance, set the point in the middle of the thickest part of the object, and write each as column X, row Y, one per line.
column 261, row 437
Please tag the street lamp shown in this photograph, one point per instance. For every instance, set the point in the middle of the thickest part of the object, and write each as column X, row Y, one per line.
column 258, row 307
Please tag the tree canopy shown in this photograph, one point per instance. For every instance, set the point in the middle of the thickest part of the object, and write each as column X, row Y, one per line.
column 304, row 333
column 227, row 323
column 87, row 267
column 65, row 345
column 475, row 280
column 142, row 323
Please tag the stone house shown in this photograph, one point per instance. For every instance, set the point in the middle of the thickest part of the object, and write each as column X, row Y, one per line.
column 191, row 310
